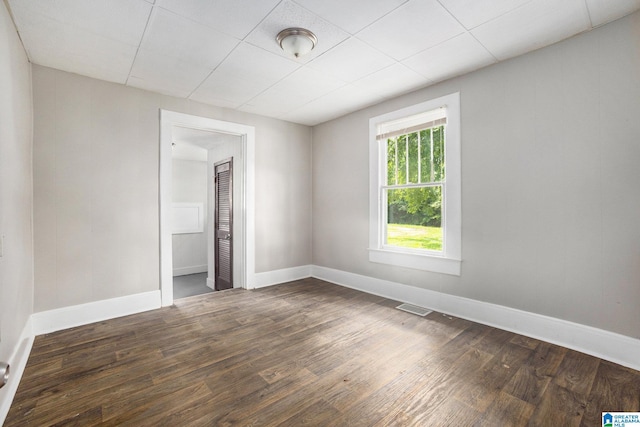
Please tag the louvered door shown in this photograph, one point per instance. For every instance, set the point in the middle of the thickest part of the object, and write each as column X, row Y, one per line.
column 224, row 224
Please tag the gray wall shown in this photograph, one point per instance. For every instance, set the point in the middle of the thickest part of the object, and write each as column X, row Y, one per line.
column 96, row 148
column 16, row 194
column 550, row 198
column 189, row 185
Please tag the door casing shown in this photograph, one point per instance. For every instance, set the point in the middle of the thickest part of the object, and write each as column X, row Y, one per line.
column 169, row 120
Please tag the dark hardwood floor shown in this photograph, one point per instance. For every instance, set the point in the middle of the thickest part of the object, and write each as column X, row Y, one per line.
column 310, row 353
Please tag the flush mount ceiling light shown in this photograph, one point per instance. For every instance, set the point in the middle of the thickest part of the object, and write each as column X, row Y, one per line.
column 296, row 41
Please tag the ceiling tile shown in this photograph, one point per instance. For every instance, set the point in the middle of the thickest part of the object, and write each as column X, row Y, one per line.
column 179, row 37
column 271, row 107
column 351, row 16
column 165, row 74
column 227, row 90
column 351, row 60
column 69, row 48
column 289, row 14
column 120, row 20
column 454, row 57
column 392, row 81
column 234, row 17
column 253, row 64
column 413, row 27
column 313, row 114
column 207, row 98
column 246, row 73
column 296, row 90
column 532, row 26
column 308, row 84
column 472, row 13
column 337, row 103
column 603, row 11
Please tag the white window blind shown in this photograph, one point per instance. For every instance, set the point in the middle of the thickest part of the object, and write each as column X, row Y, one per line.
column 414, row 123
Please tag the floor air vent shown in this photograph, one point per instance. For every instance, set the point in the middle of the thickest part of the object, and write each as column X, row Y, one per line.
column 414, row 309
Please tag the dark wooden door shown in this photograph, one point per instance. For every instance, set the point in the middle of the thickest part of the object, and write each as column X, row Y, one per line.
column 223, row 221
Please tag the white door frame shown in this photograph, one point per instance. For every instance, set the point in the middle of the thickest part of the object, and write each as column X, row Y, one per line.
column 168, row 120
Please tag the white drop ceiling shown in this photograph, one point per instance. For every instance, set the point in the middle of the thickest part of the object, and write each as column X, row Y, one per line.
column 224, row 53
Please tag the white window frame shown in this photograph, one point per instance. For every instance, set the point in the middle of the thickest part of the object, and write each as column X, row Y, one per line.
column 449, row 260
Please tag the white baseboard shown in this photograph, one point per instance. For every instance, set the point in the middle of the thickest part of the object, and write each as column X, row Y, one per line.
column 183, row 271
column 275, row 277
column 17, row 363
column 83, row 314
column 606, row 345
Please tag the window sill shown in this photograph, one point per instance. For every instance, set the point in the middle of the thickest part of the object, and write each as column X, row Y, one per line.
column 436, row 264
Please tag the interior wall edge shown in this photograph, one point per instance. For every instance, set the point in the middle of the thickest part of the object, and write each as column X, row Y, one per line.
column 16, row 205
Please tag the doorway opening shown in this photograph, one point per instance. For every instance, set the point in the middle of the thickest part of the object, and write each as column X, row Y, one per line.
column 219, row 140
column 203, row 260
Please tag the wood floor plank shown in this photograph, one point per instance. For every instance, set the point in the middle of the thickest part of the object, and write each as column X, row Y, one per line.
column 357, row 378
column 505, row 411
column 47, row 411
column 89, row 417
column 615, row 389
column 559, row 406
column 527, row 384
column 451, row 413
column 485, row 385
column 150, row 409
column 577, row 372
column 532, row 378
column 259, row 406
column 316, row 414
column 309, row 353
column 425, row 400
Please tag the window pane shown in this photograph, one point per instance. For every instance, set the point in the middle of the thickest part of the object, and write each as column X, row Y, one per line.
column 401, row 172
column 414, row 218
column 425, row 155
column 391, row 161
column 432, row 155
column 412, row 140
column 438, row 153
column 416, row 158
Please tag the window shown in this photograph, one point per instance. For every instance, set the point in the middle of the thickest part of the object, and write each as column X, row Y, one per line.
column 415, row 207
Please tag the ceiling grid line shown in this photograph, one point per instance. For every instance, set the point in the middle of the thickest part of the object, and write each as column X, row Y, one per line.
column 468, row 31
column 586, row 7
column 146, row 26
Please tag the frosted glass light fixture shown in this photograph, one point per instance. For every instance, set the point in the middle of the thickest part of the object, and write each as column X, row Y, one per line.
column 296, row 41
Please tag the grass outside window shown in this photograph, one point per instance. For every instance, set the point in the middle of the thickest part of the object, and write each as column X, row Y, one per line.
column 414, row 236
